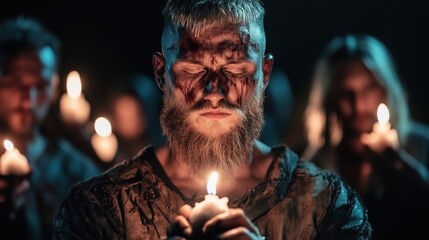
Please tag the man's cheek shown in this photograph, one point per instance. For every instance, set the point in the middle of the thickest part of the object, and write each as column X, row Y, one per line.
column 239, row 94
column 191, row 91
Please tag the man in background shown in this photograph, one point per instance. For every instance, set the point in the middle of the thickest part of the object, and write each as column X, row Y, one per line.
column 29, row 59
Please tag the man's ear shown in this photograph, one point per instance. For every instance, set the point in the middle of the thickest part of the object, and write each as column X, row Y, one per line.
column 267, row 68
column 158, row 63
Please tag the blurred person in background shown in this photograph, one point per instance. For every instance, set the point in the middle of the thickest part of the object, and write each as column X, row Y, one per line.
column 29, row 59
column 134, row 107
column 387, row 166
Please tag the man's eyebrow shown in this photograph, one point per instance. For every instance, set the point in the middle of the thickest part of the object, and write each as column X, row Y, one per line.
column 239, row 63
column 186, row 60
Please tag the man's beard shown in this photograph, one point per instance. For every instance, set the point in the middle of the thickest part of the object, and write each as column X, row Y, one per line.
column 18, row 125
column 225, row 153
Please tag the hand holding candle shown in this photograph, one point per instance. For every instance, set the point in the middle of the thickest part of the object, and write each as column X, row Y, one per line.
column 382, row 135
column 73, row 106
column 104, row 141
column 12, row 162
column 210, row 207
column 14, row 169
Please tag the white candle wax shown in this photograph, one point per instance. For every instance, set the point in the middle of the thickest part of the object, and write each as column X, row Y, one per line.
column 104, row 141
column 382, row 134
column 12, row 162
column 211, row 206
column 105, row 147
column 74, row 110
column 381, row 128
column 73, row 106
column 383, row 125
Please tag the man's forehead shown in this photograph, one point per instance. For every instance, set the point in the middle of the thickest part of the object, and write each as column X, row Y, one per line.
column 214, row 40
column 219, row 38
column 26, row 62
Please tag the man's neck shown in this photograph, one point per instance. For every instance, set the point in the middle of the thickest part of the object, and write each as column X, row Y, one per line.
column 247, row 177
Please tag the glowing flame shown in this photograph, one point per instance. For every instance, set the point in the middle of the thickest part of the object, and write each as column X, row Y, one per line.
column 74, row 85
column 383, row 114
column 8, row 145
column 211, row 185
column 102, row 127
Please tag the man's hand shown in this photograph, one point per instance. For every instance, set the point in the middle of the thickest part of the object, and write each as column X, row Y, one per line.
column 232, row 224
column 181, row 227
column 4, row 187
column 15, row 192
column 378, row 142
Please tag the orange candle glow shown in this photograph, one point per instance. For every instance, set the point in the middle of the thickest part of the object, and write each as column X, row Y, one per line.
column 104, row 141
column 73, row 106
column 383, row 124
column 382, row 134
column 12, row 162
column 211, row 206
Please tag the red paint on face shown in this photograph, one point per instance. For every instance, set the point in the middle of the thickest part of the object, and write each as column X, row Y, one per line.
column 220, row 61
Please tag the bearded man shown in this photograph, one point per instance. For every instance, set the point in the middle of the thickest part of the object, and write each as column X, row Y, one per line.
column 213, row 71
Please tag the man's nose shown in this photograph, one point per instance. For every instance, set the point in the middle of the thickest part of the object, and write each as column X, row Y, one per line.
column 29, row 96
column 214, row 89
column 360, row 103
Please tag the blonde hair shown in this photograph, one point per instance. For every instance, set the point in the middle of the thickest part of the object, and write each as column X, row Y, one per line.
column 197, row 16
column 375, row 56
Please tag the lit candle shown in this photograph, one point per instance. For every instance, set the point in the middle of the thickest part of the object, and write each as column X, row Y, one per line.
column 382, row 134
column 383, row 124
column 210, row 207
column 12, row 162
column 73, row 106
column 104, row 141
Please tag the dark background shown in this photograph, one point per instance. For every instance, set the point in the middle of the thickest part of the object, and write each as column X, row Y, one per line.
column 104, row 41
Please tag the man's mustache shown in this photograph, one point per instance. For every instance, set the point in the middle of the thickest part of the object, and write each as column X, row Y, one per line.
column 205, row 104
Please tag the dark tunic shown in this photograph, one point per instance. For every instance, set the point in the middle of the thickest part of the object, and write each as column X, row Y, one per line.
column 396, row 200
column 136, row 200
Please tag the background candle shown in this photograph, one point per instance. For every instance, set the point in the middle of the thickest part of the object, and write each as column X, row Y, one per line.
column 12, row 162
column 73, row 106
column 210, row 207
column 104, row 141
column 382, row 134
column 383, row 124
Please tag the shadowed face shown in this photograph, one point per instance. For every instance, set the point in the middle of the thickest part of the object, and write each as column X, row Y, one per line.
column 26, row 90
column 358, row 97
column 128, row 119
column 213, row 94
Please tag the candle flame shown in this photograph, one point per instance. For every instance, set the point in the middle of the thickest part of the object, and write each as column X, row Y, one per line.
column 8, row 145
column 74, row 85
column 102, row 127
column 383, row 114
column 211, row 185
